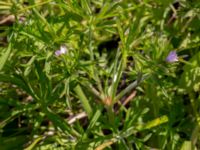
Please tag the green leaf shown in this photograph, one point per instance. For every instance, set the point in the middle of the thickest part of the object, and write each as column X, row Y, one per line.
column 29, row 65
column 190, row 79
column 84, row 100
column 154, row 123
column 94, row 119
column 86, row 6
column 59, row 122
column 4, row 56
column 187, row 145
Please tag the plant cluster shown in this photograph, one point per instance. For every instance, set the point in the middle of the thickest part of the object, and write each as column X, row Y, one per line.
column 99, row 74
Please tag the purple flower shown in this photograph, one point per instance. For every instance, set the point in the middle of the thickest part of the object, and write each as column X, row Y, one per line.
column 62, row 50
column 172, row 57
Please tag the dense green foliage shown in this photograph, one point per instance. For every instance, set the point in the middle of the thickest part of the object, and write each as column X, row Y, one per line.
column 92, row 74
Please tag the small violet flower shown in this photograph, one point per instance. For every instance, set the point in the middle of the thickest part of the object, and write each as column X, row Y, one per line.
column 62, row 50
column 172, row 57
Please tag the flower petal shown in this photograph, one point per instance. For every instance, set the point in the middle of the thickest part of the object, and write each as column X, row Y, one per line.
column 63, row 49
column 57, row 53
column 172, row 57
